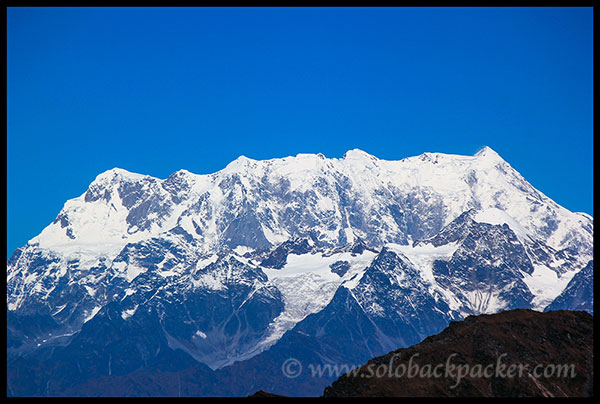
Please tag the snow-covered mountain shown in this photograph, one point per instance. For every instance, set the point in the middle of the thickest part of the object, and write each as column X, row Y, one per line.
column 357, row 255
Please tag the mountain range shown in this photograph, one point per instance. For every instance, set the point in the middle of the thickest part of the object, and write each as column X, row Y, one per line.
column 207, row 284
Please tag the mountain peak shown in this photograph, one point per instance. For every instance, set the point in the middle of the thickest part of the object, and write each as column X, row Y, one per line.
column 488, row 152
column 118, row 172
column 183, row 171
column 239, row 163
column 357, row 154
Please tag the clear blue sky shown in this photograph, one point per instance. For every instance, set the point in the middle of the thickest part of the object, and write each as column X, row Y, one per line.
column 156, row 90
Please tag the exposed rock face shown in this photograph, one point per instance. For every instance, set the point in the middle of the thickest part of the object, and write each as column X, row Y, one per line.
column 550, row 354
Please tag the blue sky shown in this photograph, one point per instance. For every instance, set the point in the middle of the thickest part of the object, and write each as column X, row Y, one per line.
column 157, row 90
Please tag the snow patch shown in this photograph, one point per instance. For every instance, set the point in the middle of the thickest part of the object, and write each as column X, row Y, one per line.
column 496, row 216
column 92, row 314
column 242, row 249
column 545, row 285
column 125, row 314
column 133, row 271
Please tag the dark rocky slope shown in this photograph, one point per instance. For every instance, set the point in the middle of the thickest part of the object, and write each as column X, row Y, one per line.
column 554, row 346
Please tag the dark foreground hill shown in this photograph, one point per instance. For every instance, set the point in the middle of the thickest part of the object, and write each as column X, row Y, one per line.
column 509, row 354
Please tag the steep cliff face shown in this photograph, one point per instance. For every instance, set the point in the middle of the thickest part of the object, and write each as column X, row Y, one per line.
column 517, row 353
